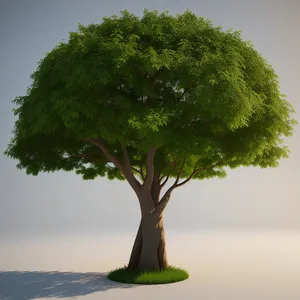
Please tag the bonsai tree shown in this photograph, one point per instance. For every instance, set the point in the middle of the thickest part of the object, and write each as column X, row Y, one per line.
column 146, row 100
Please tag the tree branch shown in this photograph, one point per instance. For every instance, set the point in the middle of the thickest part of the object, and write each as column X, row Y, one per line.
column 113, row 159
column 125, row 170
column 161, row 186
column 155, row 188
column 179, row 174
column 161, row 205
column 126, row 156
column 149, row 168
column 165, row 181
column 171, row 163
column 196, row 171
column 165, row 199
column 142, row 172
column 128, row 168
column 138, row 171
column 174, row 162
column 127, row 162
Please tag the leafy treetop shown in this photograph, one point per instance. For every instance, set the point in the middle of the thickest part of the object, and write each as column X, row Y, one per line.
column 203, row 97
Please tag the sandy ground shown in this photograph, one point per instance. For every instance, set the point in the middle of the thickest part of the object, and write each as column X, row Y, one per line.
column 222, row 265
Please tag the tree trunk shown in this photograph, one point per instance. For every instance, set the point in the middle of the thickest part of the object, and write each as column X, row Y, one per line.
column 149, row 249
column 136, row 250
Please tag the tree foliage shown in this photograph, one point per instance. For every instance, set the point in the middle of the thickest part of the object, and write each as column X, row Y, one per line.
column 202, row 96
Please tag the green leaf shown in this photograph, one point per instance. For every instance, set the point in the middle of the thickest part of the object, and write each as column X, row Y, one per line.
column 194, row 91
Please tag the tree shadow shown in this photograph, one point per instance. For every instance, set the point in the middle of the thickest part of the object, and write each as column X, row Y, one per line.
column 17, row 285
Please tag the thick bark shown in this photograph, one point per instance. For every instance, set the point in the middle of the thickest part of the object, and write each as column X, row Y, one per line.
column 138, row 243
column 153, row 253
column 155, row 189
column 136, row 250
column 149, row 249
column 161, row 251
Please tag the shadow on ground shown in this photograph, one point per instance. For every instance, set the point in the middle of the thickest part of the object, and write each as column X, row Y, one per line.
column 17, row 285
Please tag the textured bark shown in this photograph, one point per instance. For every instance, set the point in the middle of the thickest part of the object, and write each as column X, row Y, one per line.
column 155, row 189
column 161, row 251
column 149, row 249
column 153, row 252
column 136, row 250
column 163, row 202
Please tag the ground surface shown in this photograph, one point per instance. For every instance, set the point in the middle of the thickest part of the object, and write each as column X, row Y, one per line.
column 233, row 266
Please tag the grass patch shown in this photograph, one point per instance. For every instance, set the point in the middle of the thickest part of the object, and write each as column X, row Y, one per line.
column 168, row 275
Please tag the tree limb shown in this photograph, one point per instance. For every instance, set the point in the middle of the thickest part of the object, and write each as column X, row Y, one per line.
column 127, row 160
column 165, row 199
column 161, row 186
column 172, row 163
column 179, row 174
column 126, row 156
column 149, row 168
column 167, row 178
column 113, row 159
column 138, row 171
column 142, row 172
column 125, row 170
column 161, row 205
column 196, row 171
column 155, row 188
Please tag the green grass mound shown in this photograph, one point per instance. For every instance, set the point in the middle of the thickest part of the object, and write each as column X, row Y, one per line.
column 168, row 275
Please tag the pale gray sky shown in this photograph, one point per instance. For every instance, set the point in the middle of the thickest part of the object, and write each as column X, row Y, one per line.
column 63, row 203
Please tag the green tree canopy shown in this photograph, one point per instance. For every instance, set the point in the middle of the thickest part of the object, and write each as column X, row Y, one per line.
column 200, row 95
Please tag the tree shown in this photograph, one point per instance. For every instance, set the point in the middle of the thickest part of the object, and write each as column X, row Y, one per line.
column 148, row 99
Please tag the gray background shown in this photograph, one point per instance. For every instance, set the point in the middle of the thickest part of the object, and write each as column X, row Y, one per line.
column 62, row 203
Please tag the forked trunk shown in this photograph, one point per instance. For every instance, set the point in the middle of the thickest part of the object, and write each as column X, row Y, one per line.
column 149, row 249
